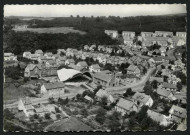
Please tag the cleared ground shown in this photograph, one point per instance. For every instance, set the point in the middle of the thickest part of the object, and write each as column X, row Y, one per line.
column 64, row 30
column 70, row 124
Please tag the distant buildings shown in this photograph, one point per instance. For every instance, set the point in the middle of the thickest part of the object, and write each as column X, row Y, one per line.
column 21, row 26
column 112, row 33
column 163, row 34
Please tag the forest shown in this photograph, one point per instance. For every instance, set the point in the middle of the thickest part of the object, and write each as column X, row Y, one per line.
column 18, row 42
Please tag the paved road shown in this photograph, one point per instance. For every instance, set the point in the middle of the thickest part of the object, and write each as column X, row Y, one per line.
column 135, row 86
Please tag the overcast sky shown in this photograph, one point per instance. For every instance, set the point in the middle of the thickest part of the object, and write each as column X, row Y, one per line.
column 95, row 10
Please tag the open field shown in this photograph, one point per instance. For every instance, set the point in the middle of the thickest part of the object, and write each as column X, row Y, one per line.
column 64, row 30
column 71, row 124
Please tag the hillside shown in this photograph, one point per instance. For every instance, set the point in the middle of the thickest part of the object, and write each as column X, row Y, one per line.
column 175, row 22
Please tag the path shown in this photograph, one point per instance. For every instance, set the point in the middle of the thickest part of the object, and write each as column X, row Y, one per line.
column 139, row 84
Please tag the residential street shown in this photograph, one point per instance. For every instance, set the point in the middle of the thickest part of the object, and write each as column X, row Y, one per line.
column 135, row 86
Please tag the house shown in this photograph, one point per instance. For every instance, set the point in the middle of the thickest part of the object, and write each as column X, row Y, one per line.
column 169, row 86
column 48, row 55
column 69, row 61
column 158, row 117
column 92, row 47
column 163, row 34
column 160, row 80
column 125, row 106
column 82, row 64
column 41, row 111
column 50, row 63
column 27, row 55
column 59, row 51
column 127, row 41
column 128, row 34
column 86, row 47
column 10, row 63
column 25, row 105
column 33, row 71
column 105, row 80
column 34, row 56
column 53, row 88
column 132, row 69
column 61, row 60
column 181, row 34
column 55, row 56
column 40, row 52
column 146, row 34
column 166, row 94
column 89, row 99
column 103, row 93
column 141, row 99
column 177, row 114
column 9, row 56
column 112, row 33
column 94, row 68
column 48, row 72
column 43, row 59
column 79, row 68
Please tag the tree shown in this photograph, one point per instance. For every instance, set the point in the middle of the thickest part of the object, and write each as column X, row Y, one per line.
column 114, row 123
column 100, row 116
column 7, row 114
column 32, row 118
column 179, row 86
column 122, row 53
column 57, row 110
column 36, row 116
column 104, row 101
column 112, row 53
column 128, row 92
column 154, row 84
column 12, row 72
column 47, row 116
column 142, row 113
column 148, row 88
column 58, row 116
column 144, row 70
column 84, row 112
column 51, row 100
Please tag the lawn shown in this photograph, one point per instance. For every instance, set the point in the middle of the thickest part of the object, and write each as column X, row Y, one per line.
column 71, row 124
column 64, row 30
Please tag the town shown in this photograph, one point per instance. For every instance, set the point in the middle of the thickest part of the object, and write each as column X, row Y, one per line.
column 138, row 85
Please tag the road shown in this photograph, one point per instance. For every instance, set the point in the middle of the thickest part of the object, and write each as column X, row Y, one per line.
column 46, row 99
column 135, row 86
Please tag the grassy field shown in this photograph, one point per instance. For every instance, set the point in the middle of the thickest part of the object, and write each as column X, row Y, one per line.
column 71, row 124
column 64, row 30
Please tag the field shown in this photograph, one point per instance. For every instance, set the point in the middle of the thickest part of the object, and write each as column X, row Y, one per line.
column 53, row 30
column 71, row 124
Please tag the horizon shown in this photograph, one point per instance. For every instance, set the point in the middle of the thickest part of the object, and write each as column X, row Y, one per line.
column 126, row 10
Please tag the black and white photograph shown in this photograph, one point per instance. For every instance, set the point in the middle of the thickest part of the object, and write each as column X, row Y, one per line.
column 94, row 67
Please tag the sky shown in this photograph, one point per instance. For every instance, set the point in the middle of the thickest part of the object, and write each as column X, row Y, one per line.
column 121, row 10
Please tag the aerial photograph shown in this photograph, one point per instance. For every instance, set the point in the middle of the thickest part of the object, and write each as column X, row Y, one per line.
column 101, row 67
